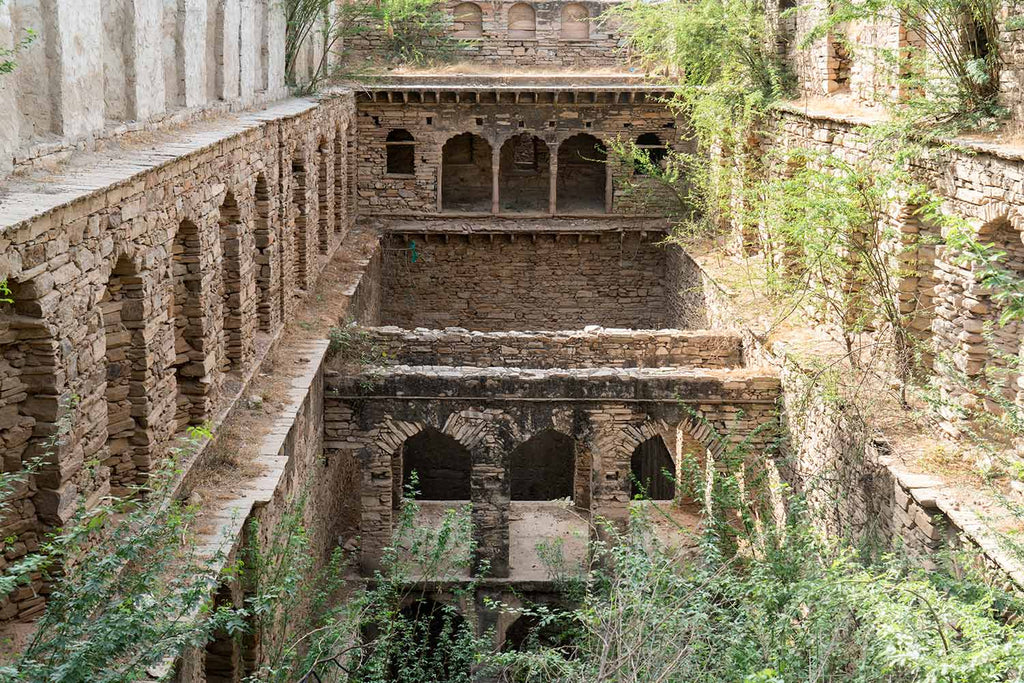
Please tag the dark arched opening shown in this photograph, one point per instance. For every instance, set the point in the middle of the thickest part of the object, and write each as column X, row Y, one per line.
column 652, row 154
column 442, row 466
column 648, row 467
column 581, row 175
column 401, row 152
column 466, row 174
column 524, row 174
column 433, row 640
column 528, row 633
column 543, row 468
column 123, row 324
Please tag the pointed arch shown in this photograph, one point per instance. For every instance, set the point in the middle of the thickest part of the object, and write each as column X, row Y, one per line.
column 543, row 467
column 582, row 175
column 466, row 183
column 442, row 465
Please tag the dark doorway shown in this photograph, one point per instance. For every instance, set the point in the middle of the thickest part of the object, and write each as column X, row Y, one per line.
column 648, row 465
column 543, row 467
column 441, row 463
column 466, row 174
column 524, row 175
column 581, row 175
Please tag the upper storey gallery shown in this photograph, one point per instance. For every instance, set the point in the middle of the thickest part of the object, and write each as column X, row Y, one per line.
column 535, row 35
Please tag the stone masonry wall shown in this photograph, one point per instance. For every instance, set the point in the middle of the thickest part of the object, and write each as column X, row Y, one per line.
column 140, row 289
column 588, row 348
column 594, row 44
column 490, row 411
column 599, row 114
column 549, row 282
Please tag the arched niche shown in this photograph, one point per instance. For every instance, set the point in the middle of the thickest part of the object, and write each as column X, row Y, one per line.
column 648, row 465
column 582, row 174
column 575, row 22
column 442, row 466
column 466, row 174
column 524, row 173
column 467, row 21
column 400, row 147
column 522, row 22
column 544, row 467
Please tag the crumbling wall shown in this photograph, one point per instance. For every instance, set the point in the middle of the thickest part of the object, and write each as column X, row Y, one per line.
column 588, row 348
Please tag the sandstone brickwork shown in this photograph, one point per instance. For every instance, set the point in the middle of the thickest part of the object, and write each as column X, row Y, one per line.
column 544, row 282
column 587, row 348
column 537, row 35
column 140, row 288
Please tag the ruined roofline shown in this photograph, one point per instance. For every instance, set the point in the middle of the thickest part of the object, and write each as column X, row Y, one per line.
column 532, row 226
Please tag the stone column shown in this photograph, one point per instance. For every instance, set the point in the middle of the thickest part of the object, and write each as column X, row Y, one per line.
column 490, row 496
column 248, row 49
column 553, row 191
column 609, row 187
column 146, row 87
column 276, row 25
column 440, row 178
column 73, row 29
column 495, row 175
column 9, row 118
column 376, row 506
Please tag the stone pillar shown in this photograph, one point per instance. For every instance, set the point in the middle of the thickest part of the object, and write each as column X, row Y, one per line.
column 376, row 506
column 74, row 36
column 9, row 118
column 490, row 495
column 553, row 191
column 248, row 50
column 190, row 42
column 276, row 24
column 146, row 87
column 609, row 187
column 495, row 175
column 440, row 179
column 226, row 65
column 610, row 483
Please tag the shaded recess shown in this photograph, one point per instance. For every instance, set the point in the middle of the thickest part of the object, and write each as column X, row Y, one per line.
column 187, row 313
column 524, row 175
column 582, row 173
column 230, row 228
column 442, row 466
column 543, row 467
column 466, row 174
column 401, row 152
column 648, row 465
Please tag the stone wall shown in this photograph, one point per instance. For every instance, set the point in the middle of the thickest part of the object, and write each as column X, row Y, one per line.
column 552, row 114
column 544, row 282
column 141, row 288
column 491, row 411
column 566, row 34
column 588, row 348
column 981, row 184
column 99, row 68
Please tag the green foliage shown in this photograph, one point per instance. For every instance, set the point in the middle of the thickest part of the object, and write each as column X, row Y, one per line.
column 381, row 634
column 954, row 73
column 129, row 589
column 412, row 31
column 6, row 296
column 7, row 62
column 785, row 606
column 352, row 344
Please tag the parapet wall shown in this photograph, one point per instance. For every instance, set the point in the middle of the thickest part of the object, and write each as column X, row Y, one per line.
column 588, row 348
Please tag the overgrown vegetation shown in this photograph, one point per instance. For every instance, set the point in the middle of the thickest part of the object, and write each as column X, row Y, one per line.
column 319, row 33
column 128, row 589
